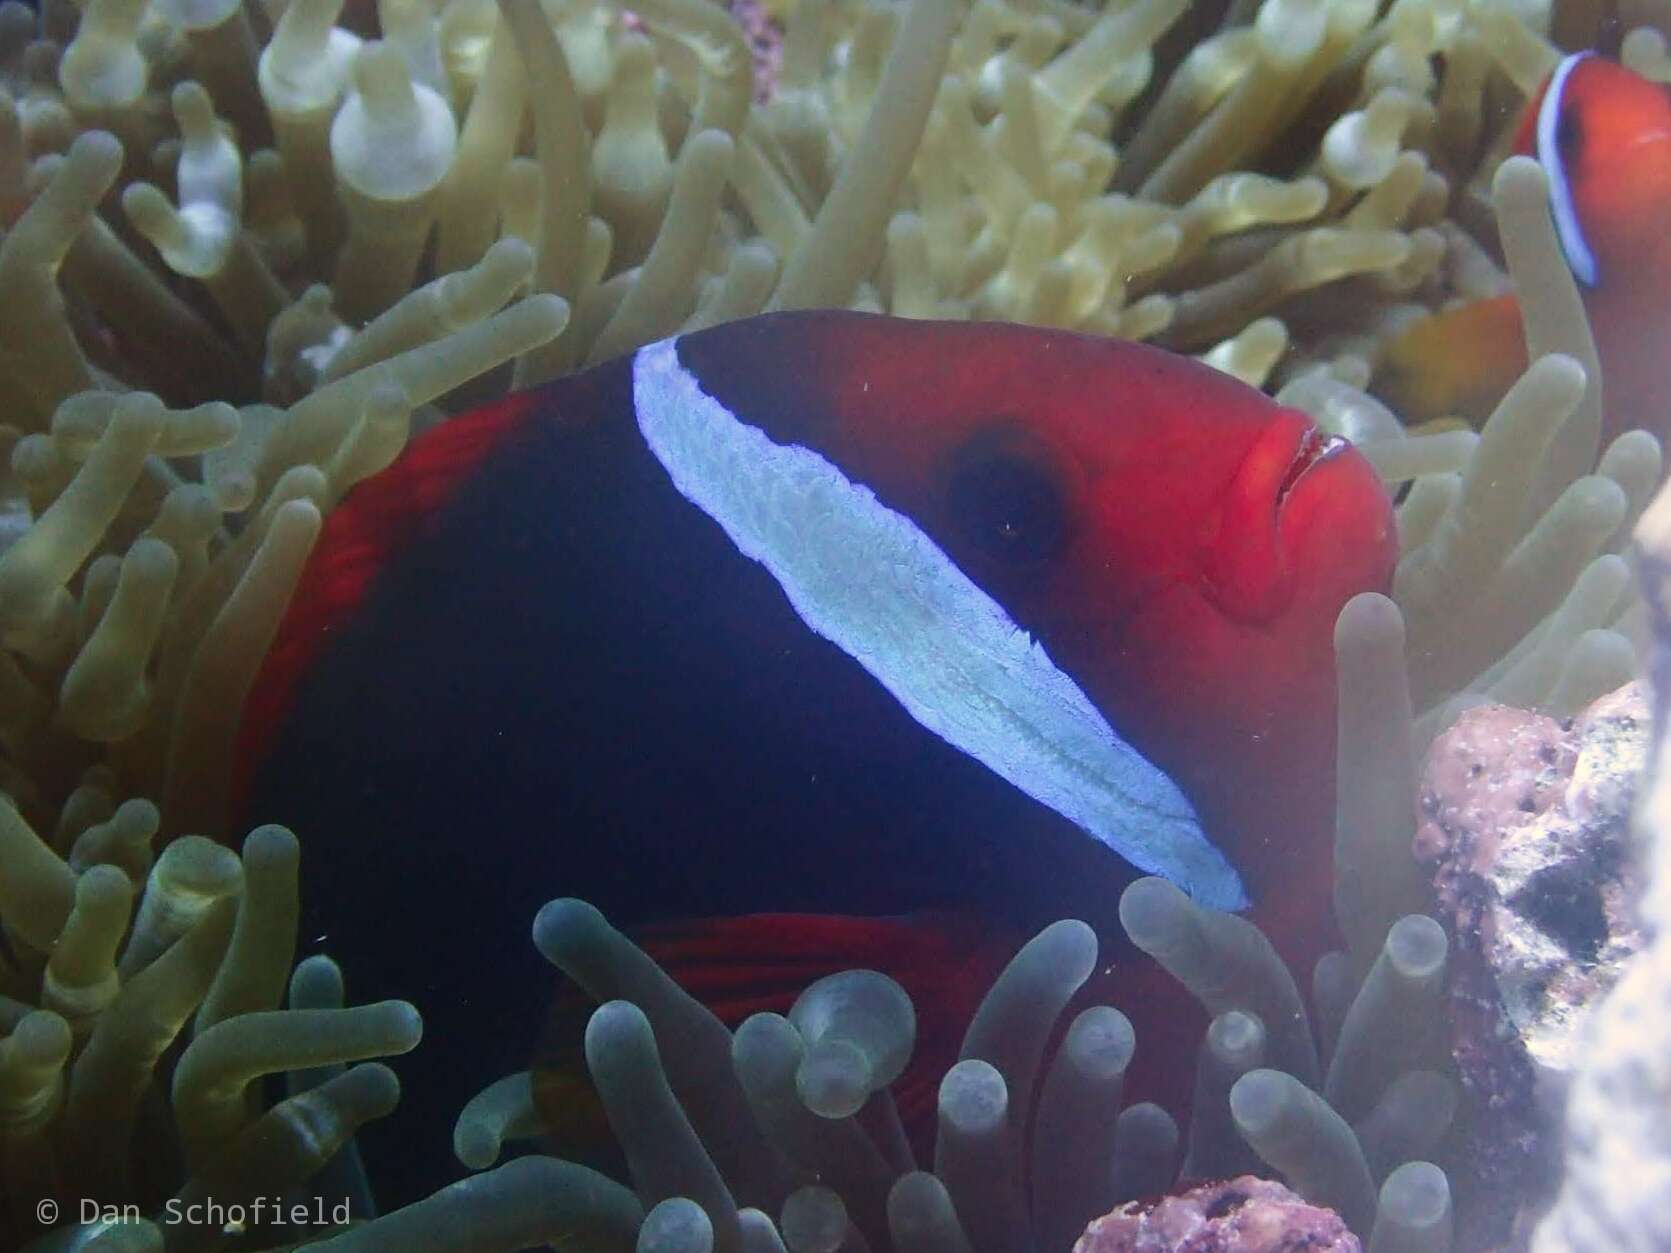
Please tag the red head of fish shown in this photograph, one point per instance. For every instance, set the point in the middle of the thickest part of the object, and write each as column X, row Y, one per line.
column 1180, row 544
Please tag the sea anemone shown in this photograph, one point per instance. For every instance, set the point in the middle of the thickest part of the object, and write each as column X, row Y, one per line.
column 795, row 1108
column 248, row 249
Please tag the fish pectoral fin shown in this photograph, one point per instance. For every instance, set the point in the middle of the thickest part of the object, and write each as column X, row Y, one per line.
column 760, row 963
column 573, row 1124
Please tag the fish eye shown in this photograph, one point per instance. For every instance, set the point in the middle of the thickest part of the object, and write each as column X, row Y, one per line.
column 1007, row 498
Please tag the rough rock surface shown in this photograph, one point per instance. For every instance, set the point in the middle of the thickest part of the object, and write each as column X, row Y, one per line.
column 1245, row 1215
column 1618, row 1127
column 765, row 41
column 1525, row 822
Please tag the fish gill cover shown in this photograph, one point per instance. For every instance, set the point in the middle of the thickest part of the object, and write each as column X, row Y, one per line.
column 249, row 249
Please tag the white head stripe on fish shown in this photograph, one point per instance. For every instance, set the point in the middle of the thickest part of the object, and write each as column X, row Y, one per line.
column 870, row 581
column 1580, row 259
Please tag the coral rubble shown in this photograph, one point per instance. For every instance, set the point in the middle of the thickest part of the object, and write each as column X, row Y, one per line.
column 1616, row 1160
column 1245, row 1215
column 1549, row 890
column 1526, row 822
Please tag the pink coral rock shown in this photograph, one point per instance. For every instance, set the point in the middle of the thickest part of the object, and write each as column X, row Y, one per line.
column 1245, row 1215
column 765, row 41
column 1526, row 824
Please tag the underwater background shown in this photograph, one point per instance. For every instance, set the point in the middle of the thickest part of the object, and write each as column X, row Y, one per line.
column 924, row 625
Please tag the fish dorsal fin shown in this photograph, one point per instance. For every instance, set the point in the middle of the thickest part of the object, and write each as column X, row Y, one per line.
column 870, row 581
column 1581, row 258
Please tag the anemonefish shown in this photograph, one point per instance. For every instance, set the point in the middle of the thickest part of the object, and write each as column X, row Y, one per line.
column 813, row 641
column 1603, row 136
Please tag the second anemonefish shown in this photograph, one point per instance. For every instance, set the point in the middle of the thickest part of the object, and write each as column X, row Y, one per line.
column 1603, row 136
column 818, row 640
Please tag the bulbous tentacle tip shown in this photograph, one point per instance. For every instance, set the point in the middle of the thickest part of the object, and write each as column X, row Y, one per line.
column 616, row 1030
column 564, row 926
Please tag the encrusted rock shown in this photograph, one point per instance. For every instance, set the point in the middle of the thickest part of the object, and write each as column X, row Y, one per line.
column 765, row 42
column 1618, row 1136
column 1525, row 821
column 1245, row 1215
column 1564, row 891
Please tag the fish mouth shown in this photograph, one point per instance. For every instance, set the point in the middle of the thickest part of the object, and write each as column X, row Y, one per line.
column 1247, row 570
column 1316, row 446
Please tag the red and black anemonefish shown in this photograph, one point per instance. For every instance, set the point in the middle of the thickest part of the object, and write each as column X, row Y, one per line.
column 1602, row 134
column 813, row 641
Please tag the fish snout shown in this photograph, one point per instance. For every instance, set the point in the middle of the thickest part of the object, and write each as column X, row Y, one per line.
column 1247, row 571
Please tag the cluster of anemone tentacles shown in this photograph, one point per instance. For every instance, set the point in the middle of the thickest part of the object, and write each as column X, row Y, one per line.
column 780, row 1135
column 248, row 249
column 793, row 1113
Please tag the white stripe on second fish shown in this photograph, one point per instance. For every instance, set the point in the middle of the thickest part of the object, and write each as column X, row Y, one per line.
column 1580, row 259
column 870, row 581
